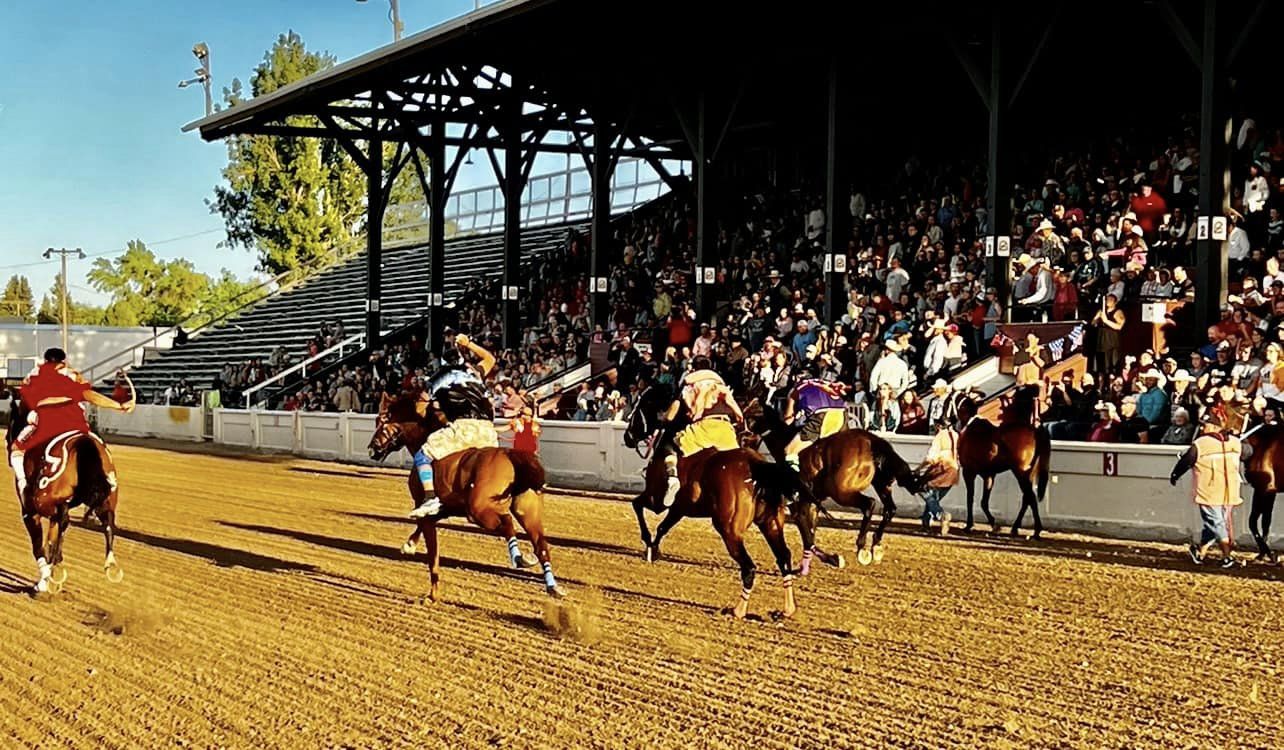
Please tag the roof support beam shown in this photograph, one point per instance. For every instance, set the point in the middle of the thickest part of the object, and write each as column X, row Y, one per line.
column 1037, row 53
column 1180, row 32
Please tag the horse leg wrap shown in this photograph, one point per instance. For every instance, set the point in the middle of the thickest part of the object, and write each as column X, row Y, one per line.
column 16, row 459
column 805, row 568
column 788, row 582
column 549, row 581
column 746, row 580
column 514, row 553
column 423, row 467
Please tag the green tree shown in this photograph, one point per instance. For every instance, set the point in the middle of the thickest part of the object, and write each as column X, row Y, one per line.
column 50, row 311
column 227, row 294
column 296, row 201
column 18, row 301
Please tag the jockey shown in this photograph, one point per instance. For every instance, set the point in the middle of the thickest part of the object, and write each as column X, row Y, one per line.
column 817, row 405
column 712, row 409
column 52, row 396
column 458, row 391
column 1028, row 399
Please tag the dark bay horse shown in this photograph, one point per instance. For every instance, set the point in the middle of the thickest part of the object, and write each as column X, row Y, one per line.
column 987, row 450
column 735, row 489
column 489, row 486
column 841, row 468
column 66, row 472
column 1265, row 473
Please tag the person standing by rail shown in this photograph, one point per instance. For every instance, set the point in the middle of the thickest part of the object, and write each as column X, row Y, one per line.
column 1214, row 457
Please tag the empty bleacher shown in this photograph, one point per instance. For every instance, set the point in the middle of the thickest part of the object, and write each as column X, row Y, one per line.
column 291, row 318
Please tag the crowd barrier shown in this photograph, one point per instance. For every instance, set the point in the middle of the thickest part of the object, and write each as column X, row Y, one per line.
column 147, row 420
column 1102, row 488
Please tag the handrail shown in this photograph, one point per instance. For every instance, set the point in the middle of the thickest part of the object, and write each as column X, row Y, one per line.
column 113, row 360
column 339, row 347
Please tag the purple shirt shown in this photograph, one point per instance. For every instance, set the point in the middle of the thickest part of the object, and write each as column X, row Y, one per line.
column 811, row 396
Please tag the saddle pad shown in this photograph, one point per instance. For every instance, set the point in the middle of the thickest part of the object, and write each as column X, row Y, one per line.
column 55, row 462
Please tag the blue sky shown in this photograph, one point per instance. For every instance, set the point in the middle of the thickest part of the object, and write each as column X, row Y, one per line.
column 91, row 152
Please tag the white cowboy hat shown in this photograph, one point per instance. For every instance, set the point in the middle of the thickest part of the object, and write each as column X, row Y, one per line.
column 892, row 345
column 1182, row 376
column 1137, row 230
column 1024, row 260
column 1045, row 224
column 939, row 384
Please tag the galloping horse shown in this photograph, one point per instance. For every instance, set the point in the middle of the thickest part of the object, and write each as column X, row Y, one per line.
column 69, row 470
column 986, row 450
column 841, row 468
column 1265, row 472
column 732, row 488
column 489, row 486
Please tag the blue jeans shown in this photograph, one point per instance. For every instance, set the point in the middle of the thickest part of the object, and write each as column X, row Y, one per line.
column 1214, row 528
column 932, row 497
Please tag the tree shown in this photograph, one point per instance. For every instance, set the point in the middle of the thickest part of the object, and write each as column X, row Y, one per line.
column 295, row 200
column 77, row 314
column 18, row 301
column 146, row 290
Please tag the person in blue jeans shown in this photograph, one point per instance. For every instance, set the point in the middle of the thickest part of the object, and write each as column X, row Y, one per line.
column 943, row 455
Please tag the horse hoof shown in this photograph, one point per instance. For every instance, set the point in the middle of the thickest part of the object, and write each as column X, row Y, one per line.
column 526, row 560
column 55, row 587
column 555, row 591
column 59, row 575
column 840, row 562
column 114, row 573
column 407, row 549
column 740, row 610
column 805, row 568
column 864, row 557
column 878, row 553
column 651, row 554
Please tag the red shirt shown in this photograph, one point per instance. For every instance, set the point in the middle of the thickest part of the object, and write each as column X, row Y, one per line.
column 52, row 380
column 1150, row 211
column 679, row 331
column 525, row 435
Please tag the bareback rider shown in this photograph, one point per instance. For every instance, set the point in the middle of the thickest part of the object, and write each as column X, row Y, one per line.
column 1028, row 398
column 458, row 392
column 713, row 412
column 52, row 396
column 818, row 405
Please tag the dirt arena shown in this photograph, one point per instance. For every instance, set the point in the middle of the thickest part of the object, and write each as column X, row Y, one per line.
column 265, row 604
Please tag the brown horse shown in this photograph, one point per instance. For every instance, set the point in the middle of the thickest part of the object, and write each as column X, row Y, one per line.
column 735, row 489
column 841, row 468
column 65, row 472
column 987, row 450
column 489, row 486
column 1265, row 472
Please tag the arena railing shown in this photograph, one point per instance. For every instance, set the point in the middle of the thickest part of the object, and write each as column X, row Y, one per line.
column 355, row 342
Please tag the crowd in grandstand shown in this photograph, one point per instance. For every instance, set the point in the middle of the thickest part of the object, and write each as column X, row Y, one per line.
column 1094, row 234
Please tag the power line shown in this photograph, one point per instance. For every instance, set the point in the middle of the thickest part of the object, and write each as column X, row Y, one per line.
column 166, row 241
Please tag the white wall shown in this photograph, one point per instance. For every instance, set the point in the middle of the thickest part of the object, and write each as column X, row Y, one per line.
column 88, row 345
column 1136, row 502
column 170, row 422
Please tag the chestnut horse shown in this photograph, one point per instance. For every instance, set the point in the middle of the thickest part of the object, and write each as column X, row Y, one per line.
column 65, row 472
column 987, row 450
column 841, row 468
column 1265, row 472
column 732, row 488
column 489, row 486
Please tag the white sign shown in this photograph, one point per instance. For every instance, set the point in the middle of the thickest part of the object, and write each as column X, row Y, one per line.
column 1153, row 312
column 438, row 299
column 829, row 262
column 710, row 275
column 1219, row 228
column 602, row 285
column 699, row 275
column 1201, row 228
column 989, row 247
column 372, row 305
column 1005, row 246
column 840, row 263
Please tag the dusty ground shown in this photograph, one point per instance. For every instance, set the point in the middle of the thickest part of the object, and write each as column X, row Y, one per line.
column 265, row 605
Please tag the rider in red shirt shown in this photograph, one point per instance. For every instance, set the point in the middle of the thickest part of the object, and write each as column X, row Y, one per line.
column 52, row 396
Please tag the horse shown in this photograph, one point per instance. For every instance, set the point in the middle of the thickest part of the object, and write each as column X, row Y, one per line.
column 841, row 468
column 986, row 450
column 70, row 470
column 489, row 486
column 732, row 488
column 1264, row 466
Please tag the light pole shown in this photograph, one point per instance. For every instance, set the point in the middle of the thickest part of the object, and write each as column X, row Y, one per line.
column 64, row 252
column 201, row 51
column 394, row 15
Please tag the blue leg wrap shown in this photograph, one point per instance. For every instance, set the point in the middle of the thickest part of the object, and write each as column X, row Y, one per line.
column 549, row 580
column 423, row 466
column 514, row 553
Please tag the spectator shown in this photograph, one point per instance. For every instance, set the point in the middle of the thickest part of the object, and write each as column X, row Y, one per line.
column 1109, row 321
column 913, row 420
column 526, row 430
column 943, row 455
column 1215, row 458
column 1181, row 431
column 885, row 415
column 1106, row 429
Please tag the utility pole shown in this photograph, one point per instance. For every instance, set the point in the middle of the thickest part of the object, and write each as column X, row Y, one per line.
column 201, row 52
column 394, row 15
column 64, row 252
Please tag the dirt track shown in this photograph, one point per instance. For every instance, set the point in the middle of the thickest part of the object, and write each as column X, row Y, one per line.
column 265, row 605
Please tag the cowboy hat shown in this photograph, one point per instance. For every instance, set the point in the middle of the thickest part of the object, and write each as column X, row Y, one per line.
column 940, row 384
column 1137, row 230
column 1044, row 225
column 892, row 345
column 1182, row 376
column 1024, row 260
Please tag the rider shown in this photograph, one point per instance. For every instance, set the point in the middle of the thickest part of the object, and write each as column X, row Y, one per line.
column 52, row 396
column 458, row 390
column 711, row 408
column 1028, row 398
column 819, row 407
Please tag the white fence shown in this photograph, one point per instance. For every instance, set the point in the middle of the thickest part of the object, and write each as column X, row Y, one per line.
column 1113, row 490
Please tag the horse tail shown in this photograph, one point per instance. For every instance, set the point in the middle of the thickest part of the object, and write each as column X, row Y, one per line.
column 92, row 484
column 1042, row 459
column 910, row 479
column 528, row 472
column 772, row 482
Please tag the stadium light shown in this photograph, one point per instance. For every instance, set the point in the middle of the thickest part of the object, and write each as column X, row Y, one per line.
column 201, row 52
column 394, row 15
column 64, row 252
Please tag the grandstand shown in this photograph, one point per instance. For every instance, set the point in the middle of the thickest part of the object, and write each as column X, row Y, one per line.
column 291, row 318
